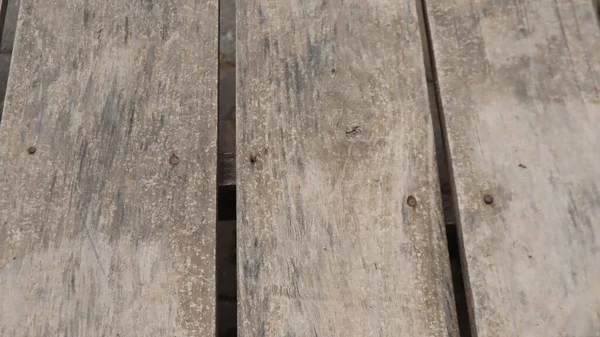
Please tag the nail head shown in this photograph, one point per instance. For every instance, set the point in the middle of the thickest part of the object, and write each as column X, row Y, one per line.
column 411, row 201
column 174, row 160
column 31, row 150
column 488, row 199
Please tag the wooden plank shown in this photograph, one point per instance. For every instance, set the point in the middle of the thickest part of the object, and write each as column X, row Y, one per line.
column 108, row 229
column 519, row 84
column 333, row 135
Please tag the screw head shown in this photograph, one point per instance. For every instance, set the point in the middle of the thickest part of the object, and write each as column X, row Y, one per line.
column 488, row 199
column 174, row 160
column 411, row 201
column 31, row 150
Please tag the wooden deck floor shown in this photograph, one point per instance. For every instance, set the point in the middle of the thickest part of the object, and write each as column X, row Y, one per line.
column 372, row 168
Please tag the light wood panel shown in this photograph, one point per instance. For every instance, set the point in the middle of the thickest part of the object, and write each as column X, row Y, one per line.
column 334, row 135
column 108, row 170
column 519, row 84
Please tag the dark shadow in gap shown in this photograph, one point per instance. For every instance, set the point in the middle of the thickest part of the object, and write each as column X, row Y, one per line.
column 4, row 57
column 460, row 297
column 226, row 267
column 226, row 203
column 3, row 7
column 226, row 280
column 445, row 176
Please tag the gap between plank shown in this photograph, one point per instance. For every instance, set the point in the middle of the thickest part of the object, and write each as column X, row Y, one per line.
column 3, row 9
column 447, row 190
column 226, row 303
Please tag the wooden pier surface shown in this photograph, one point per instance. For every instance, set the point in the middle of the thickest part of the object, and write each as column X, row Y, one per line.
column 373, row 168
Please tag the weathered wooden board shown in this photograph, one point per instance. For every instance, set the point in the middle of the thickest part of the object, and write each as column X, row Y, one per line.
column 519, row 84
column 108, row 229
column 333, row 135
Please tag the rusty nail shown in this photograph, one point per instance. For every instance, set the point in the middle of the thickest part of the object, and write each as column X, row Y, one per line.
column 252, row 159
column 31, row 150
column 488, row 199
column 174, row 160
column 411, row 201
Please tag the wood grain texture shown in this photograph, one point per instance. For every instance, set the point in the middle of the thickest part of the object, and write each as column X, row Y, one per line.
column 519, row 84
column 333, row 134
column 101, row 234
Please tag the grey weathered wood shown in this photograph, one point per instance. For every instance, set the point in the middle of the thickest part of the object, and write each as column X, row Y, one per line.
column 333, row 134
column 520, row 85
column 101, row 234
